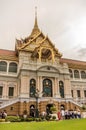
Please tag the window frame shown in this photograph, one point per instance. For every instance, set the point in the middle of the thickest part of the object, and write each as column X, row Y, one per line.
column 11, row 89
column 3, row 66
column 13, row 68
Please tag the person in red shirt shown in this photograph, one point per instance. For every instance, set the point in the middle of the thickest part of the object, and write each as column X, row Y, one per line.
column 59, row 115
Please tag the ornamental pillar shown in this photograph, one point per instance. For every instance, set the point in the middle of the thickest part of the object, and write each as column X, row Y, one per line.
column 67, row 88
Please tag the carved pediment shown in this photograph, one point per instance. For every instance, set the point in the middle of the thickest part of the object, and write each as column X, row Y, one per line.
column 48, row 69
column 46, row 50
column 31, row 44
column 46, row 43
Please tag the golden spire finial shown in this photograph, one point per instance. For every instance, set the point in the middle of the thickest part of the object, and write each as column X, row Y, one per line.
column 36, row 29
column 36, row 24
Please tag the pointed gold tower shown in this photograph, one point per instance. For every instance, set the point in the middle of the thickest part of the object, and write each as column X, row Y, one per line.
column 36, row 29
column 36, row 23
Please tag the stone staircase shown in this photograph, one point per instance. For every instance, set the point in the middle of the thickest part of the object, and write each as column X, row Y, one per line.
column 15, row 100
column 79, row 104
column 9, row 102
column 76, row 103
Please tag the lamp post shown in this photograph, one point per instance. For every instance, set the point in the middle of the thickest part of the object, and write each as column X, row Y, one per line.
column 36, row 111
column 37, row 95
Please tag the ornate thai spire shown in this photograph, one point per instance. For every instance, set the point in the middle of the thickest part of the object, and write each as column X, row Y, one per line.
column 36, row 23
column 36, row 29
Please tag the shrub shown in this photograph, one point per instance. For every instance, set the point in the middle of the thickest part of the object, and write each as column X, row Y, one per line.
column 38, row 119
column 30, row 119
column 48, row 117
column 13, row 119
column 83, row 107
column 53, row 109
column 22, row 119
column 2, row 120
column 54, row 117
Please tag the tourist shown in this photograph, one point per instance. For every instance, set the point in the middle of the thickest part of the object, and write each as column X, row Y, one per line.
column 59, row 115
column 63, row 114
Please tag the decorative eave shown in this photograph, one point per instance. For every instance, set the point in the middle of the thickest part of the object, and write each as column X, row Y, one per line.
column 26, row 44
column 58, row 54
column 10, row 58
column 74, row 64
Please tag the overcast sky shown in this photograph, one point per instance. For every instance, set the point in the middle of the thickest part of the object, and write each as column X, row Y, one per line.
column 64, row 21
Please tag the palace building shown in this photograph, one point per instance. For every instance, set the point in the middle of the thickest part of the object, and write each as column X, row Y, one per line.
column 35, row 76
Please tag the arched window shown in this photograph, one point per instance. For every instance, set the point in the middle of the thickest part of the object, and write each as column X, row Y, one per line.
column 61, row 89
column 76, row 74
column 32, row 87
column 83, row 75
column 13, row 67
column 3, row 66
column 47, row 88
column 71, row 73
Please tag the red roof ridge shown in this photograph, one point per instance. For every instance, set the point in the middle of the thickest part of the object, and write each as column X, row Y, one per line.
column 7, row 52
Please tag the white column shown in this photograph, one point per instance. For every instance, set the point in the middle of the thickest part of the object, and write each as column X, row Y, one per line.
column 67, row 88
column 24, row 87
column 75, row 94
column 38, row 83
column 56, row 88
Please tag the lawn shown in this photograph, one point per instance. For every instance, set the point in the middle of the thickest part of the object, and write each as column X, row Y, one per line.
column 78, row 124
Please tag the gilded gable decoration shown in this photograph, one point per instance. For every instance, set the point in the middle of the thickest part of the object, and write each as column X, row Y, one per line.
column 38, row 44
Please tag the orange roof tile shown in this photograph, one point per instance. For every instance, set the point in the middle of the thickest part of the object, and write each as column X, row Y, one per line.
column 70, row 61
column 8, row 55
column 7, row 52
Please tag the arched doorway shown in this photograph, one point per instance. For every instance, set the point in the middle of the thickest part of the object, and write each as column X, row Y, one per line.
column 32, row 111
column 62, row 107
column 48, row 108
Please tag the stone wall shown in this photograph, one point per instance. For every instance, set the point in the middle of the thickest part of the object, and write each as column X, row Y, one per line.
column 19, row 107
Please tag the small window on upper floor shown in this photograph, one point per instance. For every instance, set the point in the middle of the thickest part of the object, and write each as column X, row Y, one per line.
column 71, row 73
column 78, row 94
column 11, row 92
column 3, row 66
column 83, row 75
column 76, row 74
column 72, row 93
column 85, row 93
column 13, row 67
column 1, row 91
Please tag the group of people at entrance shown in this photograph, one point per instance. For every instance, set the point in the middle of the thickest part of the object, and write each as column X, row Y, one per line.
column 60, row 115
column 69, row 114
column 3, row 114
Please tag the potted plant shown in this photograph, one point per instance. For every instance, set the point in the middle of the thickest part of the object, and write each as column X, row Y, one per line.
column 25, row 114
column 53, row 109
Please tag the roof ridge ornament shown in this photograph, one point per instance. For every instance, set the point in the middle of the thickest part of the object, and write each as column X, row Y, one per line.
column 36, row 23
column 36, row 29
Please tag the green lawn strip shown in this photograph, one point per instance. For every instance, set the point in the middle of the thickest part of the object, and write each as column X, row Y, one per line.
column 79, row 124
